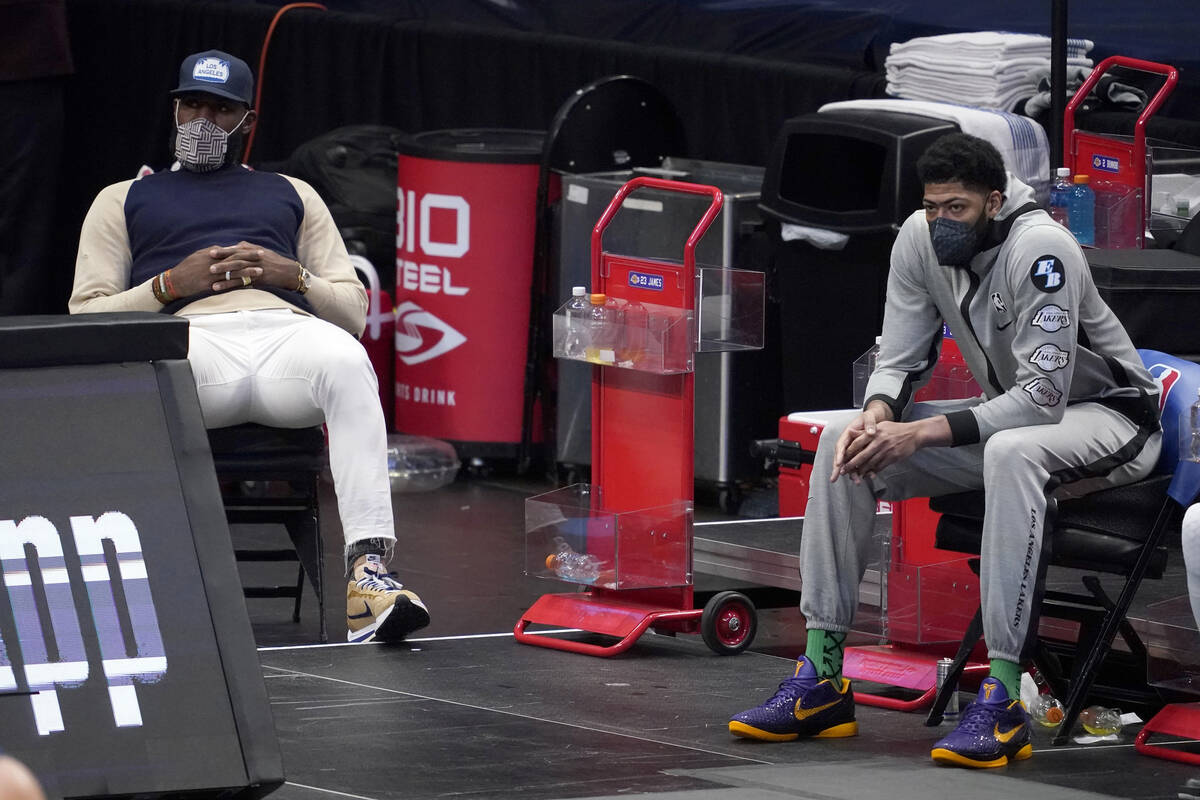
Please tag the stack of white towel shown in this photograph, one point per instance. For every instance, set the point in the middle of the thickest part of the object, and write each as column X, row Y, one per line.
column 985, row 69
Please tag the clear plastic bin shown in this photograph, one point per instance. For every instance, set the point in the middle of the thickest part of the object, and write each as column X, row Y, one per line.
column 729, row 317
column 930, row 603
column 664, row 346
column 730, row 309
column 1119, row 215
column 871, row 619
column 951, row 378
column 642, row 549
column 1172, row 645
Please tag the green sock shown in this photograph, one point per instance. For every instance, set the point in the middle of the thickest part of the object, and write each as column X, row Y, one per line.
column 824, row 649
column 1008, row 673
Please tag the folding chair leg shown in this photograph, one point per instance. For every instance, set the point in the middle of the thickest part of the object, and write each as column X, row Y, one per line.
column 972, row 636
column 1085, row 671
column 299, row 595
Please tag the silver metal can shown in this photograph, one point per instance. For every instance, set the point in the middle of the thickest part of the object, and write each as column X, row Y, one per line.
column 943, row 673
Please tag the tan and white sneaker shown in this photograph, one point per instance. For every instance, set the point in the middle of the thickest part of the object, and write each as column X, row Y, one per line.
column 379, row 608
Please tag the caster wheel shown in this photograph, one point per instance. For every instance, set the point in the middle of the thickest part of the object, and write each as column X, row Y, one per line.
column 728, row 623
column 729, row 500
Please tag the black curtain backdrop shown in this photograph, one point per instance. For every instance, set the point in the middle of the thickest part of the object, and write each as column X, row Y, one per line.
column 326, row 69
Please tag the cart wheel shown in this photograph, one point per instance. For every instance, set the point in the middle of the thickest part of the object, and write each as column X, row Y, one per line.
column 728, row 500
column 728, row 623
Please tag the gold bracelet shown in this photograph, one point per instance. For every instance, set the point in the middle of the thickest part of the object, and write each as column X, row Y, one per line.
column 303, row 280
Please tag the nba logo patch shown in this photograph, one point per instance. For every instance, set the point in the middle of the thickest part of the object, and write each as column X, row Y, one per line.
column 1165, row 377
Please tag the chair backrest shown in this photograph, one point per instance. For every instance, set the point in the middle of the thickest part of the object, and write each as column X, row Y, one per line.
column 1179, row 382
column 617, row 122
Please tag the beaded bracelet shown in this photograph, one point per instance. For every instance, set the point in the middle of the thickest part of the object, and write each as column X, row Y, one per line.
column 164, row 291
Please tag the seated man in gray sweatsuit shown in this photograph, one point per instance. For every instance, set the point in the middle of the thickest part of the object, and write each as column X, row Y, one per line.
column 1067, row 408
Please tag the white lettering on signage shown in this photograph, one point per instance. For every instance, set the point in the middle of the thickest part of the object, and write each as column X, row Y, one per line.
column 427, row 278
column 52, row 654
column 424, row 395
column 407, row 231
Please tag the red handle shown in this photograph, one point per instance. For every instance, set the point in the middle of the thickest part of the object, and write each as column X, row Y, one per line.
column 689, row 249
column 1139, row 131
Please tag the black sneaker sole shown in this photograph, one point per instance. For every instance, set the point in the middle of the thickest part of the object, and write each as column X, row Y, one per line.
column 405, row 617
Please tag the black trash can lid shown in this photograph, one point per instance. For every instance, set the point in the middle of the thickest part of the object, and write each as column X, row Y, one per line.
column 489, row 145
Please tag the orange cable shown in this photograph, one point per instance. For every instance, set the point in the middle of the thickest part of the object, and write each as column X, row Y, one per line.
column 262, row 68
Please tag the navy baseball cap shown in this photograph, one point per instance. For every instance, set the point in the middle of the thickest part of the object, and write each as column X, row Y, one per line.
column 216, row 72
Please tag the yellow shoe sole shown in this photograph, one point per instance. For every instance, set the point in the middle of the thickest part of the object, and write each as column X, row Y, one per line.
column 950, row 758
column 846, row 729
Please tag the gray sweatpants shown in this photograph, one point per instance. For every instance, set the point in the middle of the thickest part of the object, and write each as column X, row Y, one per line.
column 1023, row 470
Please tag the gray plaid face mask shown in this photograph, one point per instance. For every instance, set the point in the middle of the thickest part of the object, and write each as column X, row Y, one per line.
column 201, row 145
column 954, row 242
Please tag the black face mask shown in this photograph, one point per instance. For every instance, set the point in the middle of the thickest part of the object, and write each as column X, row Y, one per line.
column 955, row 243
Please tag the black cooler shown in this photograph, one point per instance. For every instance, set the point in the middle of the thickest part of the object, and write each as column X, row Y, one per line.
column 1155, row 294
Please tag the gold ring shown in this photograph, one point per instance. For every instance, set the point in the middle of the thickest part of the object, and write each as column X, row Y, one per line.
column 245, row 280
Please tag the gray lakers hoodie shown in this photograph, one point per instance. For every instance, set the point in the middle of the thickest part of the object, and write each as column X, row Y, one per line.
column 1027, row 317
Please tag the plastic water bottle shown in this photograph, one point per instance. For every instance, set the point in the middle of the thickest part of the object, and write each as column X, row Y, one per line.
column 601, row 345
column 1082, row 211
column 634, row 333
column 1043, row 706
column 1060, row 197
column 1046, row 711
column 572, row 566
column 1101, row 721
column 1189, row 433
column 575, row 345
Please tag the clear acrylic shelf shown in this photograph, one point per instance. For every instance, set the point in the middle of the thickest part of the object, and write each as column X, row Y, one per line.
column 729, row 317
column 730, row 309
column 663, row 345
column 930, row 603
column 642, row 549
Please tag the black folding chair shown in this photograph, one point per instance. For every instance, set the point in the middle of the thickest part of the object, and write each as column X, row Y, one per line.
column 291, row 459
column 616, row 123
column 1116, row 531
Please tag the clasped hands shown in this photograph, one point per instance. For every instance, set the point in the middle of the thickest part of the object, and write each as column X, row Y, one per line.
column 233, row 267
column 873, row 441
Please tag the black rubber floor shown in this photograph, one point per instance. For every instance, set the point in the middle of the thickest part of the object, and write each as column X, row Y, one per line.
column 466, row 711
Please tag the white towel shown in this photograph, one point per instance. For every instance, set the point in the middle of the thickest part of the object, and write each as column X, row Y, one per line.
column 989, row 43
column 982, row 69
column 1021, row 141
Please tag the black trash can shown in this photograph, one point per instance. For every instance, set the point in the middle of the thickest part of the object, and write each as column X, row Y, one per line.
column 852, row 172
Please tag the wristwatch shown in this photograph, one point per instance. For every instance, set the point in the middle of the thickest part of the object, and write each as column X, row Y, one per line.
column 305, row 280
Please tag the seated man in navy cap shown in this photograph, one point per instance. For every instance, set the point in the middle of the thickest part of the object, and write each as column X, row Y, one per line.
column 255, row 262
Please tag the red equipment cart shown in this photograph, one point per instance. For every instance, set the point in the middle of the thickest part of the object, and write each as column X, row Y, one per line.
column 1119, row 166
column 635, row 519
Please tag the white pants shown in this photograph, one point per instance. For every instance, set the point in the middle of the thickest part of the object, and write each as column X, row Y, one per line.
column 287, row 370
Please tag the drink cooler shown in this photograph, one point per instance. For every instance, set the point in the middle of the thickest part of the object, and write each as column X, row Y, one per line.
column 472, row 394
